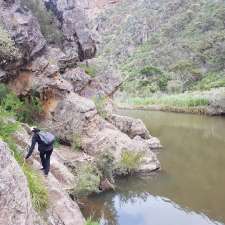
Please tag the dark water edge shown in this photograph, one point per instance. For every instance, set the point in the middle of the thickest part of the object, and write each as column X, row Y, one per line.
column 190, row 189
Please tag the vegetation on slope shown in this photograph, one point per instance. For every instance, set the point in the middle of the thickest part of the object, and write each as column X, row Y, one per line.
column 26, row 110
column 165, row 46
column 37, row 189
column 8, row 50
column 47, row 21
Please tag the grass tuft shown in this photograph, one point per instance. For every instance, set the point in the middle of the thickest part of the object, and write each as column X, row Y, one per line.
column 91, row 222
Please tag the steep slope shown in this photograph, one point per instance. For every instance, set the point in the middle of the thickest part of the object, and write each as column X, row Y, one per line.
column 15, row 202
column 164, row 46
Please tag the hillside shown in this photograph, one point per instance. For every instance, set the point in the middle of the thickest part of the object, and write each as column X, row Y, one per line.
column 164, row 46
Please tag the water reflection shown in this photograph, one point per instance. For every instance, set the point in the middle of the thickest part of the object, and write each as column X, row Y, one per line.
column 191, row 183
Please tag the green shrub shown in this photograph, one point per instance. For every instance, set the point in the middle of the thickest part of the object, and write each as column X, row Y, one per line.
column 27, row 110
column 7, row 127
column 3, row 92
column 100, row 103
column 87, row 180
column 105, row 162
column 30, row 111
column 56, row 142
column 77, row 142
column 150, row 71
column 8, row 50
column 89, row 69
column 162, row 83
column 12, row 104
column 91, row 222
column 130, row 161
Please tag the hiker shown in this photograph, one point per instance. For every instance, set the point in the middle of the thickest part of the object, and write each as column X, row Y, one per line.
column 45, row 142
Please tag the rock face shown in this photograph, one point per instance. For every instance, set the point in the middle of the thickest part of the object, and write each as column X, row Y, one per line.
column 103, row 85
column 79, row 43
column 24, row 29
column 15, row 201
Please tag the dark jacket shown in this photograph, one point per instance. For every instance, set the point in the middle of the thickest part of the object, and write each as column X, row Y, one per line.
column 42, row 147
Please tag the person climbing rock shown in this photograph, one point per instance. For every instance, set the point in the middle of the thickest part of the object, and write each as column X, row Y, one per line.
column 45, row 142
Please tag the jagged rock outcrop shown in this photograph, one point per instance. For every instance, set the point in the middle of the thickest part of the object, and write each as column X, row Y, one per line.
column 79, row 44
column 23, row 28
column 15, row 201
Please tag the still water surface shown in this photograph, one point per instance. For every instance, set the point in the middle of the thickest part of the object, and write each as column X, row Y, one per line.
column 190, row 188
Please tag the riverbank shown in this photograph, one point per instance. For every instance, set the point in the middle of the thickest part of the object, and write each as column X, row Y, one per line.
column 210, row 102
column 185, row 189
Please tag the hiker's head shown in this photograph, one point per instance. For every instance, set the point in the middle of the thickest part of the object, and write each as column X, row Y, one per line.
column 35, row 130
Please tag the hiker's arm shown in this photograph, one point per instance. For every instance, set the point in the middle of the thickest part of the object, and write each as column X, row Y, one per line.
column 34, row 140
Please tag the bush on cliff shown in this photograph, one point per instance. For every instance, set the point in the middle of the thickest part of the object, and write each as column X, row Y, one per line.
column 129, row 162
column 26, row 110
column 105, row 162
column 8, row 50
column 91, row 222
column 100, row 103
column 76, row 142
column 87, row 180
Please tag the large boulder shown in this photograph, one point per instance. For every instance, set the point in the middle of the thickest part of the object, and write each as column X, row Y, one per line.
column 70, row 116
column 15, row 201
column 100, row 136
column 132, row 127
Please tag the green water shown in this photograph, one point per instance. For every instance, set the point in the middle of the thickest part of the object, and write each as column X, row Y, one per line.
column 190, row 188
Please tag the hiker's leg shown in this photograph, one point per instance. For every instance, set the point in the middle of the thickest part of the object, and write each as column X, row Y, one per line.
column 42, row 156
column 47, row 161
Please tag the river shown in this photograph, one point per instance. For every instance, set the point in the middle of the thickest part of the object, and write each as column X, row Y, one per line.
column 190, row 188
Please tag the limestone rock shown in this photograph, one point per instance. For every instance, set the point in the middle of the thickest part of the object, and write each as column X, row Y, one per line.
column 132, row 127
column 15, row 201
